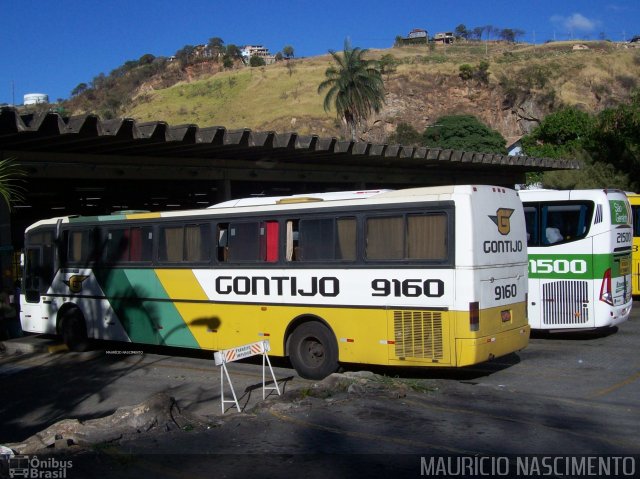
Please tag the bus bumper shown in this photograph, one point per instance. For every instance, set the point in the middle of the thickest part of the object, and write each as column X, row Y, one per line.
column 477, row 350
column 620, row 314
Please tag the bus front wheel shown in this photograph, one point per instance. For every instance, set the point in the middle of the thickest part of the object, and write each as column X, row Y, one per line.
column 313, row 351
column 74, row 331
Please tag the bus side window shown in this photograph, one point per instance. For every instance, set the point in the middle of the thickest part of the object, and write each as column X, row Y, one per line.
column 531, row 220
column 83, row 246
column 222, row 248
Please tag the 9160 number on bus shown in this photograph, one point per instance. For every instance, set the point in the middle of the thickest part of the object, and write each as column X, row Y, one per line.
column 505, row 292
column 432, row 288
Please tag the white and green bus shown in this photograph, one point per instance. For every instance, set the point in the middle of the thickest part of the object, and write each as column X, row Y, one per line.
column 420, row 277
column 579, row 244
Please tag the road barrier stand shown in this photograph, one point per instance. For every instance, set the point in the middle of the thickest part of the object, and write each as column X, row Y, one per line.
column 234, row 354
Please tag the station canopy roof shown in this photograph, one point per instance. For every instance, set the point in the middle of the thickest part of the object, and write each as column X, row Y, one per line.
column 47, row 137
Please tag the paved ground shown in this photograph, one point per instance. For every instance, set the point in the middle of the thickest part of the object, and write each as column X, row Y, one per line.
column 569, row 394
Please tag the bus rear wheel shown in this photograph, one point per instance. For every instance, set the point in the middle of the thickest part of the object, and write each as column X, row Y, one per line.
column 74, row 331
column 313, row 351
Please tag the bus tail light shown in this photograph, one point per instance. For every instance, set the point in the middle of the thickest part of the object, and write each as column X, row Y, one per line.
column 605, row 288
column 474, row 316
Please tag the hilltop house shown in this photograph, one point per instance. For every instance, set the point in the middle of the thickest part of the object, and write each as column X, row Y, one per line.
column 249, row 51
column 444, row 38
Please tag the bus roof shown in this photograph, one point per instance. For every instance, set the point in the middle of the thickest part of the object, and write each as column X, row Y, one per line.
column 548, row 194
column 291, row 203
column 301, row 198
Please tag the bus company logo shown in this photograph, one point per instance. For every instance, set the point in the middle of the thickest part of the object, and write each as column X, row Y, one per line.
column 501, row 219
column 619, row 215
column 34, row 467
column 75, row 282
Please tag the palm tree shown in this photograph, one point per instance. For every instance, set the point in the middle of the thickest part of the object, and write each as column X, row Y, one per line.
column 10, row 173
column 354, row 86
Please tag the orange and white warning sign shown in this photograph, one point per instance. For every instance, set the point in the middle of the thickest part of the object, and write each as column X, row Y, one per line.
column 234, row 354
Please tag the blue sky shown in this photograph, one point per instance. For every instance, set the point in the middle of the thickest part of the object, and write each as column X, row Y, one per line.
column 50, row 46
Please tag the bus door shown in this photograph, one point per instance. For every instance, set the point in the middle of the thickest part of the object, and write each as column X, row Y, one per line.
column 635, row 250
column 38, row 275
column 560, row 265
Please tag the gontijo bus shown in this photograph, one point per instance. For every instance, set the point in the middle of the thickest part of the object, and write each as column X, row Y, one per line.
column 418, row 277
column 579, row 245
column 634, row 200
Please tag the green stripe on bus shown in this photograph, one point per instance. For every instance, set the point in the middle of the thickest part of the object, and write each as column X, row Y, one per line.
column 93, row 219
column 577, row 266
column 145, row 320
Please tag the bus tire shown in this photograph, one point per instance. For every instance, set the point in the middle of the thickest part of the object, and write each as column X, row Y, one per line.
column 313, row 351
column 74, row 331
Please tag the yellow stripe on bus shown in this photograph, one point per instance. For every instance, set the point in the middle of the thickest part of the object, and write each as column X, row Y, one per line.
column 142, row 216
column 182, row 284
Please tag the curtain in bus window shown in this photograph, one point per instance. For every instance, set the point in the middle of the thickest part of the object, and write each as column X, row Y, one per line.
column 272, row 241
column 193, row 243
column 135, row 244
column 427, row 236
column 171, row 244
column 385, row 238
column 289, row 242
column 316, row 239
column 346, row 240
column 75, row 246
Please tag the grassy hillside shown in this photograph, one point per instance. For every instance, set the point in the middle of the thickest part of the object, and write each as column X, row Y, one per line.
column 525, row 83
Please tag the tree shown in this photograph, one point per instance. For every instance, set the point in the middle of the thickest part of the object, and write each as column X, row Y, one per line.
column 216, row 44
column 480, row 73
column 477, row 33
column 256, row 61
column 354, row 86
column 146, row 59
column 184, row 54
column 216, row 47
column 79, row 89
column 233, row 51
column 463, row 132
column 405, row 135
column 287, row 51
column 10, row 175
column 279, row 57
column 388, row 64
column 616, row 138
column 562, row 134
column 466, row 72
column 231, row 54
column 510, row 34
column 569, row 134
column 462, row 32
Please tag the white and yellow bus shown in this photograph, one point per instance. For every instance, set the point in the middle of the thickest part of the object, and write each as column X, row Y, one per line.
column 634, row 200
column 419, row 277
column 579, row 244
